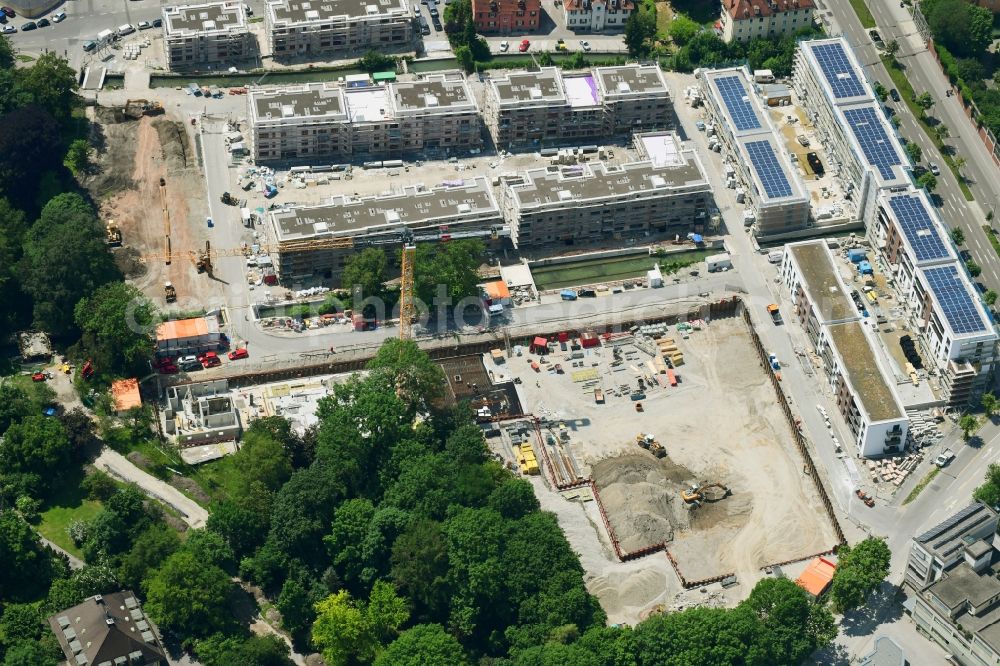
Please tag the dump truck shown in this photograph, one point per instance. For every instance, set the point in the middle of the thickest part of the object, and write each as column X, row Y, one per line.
column 112, row 234
column 707, row 492
column 169, row 293
column 775, row 313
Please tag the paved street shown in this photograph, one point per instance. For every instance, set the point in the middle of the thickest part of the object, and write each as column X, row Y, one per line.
column 925, row 75
column 121, row 468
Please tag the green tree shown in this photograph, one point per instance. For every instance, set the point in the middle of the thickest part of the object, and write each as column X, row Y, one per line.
column 892, row 48
column 65, row 259
column 423, row 645
column 925, row 101
column 989, row 492
column 98, row 485
column 34, row 653
column 30, row 146
column 223, row 650
column 21, row 622
column 913, row 152
column 420, row 567
column 242, row 528
column 341, row 631
column 968, row 424
column 366, row 269
column 260, row 459
column 860, row 570
column 452, row 267
column 14, row 405
column 880, row 90
column 188, row 596
column 514, row 498
column 295, row 605
column 373, row 61
column 50, row 83
column 27, row 568
column 990, row 404
column 974, row 269
column 990, row 297
column 116, row 321
column 958, row 236
column 346, row 541
column 78, row 157
column 210, row 548
column 942, row 131
column 34, row 453
column 419, row 380
column 151, row 548
column 640, row 29
column 385, row 612
column 928, row 181
column 682, row 29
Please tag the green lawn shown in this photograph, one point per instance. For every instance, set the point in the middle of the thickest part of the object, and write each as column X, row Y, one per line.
column 593, row 271
column 920, row 486
column 906, row 92
column 864, row 14
column 68, row 504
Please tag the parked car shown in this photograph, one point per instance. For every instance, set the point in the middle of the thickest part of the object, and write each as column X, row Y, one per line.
column 585, row 45
column 169, row 369
column 144, row 25
column 59, row 17
column 944, row 458
column 894, row 94
column 433, row 11
column 504, row 46
column 525, row 45
column 8, row 30
column 935, row 169
column 188, row 363
column 125, row 29
column 43, row 23
column 157, row 23
column 30, row 25
column 237, row 354
column 8, row 11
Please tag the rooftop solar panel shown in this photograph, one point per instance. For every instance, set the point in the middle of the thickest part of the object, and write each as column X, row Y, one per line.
column 768, row 169
column 844, row 80
column 735, row 98
column 918, row 227
column 876, row 144
column 956, row 301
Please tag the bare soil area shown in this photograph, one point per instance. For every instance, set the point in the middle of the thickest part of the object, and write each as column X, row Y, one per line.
column 135, row 155
column 721, row 424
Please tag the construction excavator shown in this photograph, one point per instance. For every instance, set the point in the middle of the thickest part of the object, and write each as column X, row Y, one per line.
column 707, row 492
column 113, row 234
column 649, row 443
column 136, row 108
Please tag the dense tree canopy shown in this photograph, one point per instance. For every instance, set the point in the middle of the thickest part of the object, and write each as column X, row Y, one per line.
column 365, row 272
column 34, row 453
column 188, row 596
column 964, row 28
column 860, row 570
column 116, row 321
column 448, row 269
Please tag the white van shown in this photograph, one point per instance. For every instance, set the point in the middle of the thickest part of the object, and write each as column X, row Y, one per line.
column 105, row 36
column 126, row 29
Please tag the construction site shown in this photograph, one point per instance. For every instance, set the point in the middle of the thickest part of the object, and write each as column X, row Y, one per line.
column 674, row 451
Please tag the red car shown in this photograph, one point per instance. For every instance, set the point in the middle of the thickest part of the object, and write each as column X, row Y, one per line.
column 8, row 11
column 525, row 45
column 163, row 362
column 207, row 355
column 38, row 377
column 237, row 354
column 211, row 362
column 168, row 369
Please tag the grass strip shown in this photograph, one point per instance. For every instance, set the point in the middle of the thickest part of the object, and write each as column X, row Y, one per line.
column 920, row 486
column 864, row 14
column 902, row 85
column 992, row 235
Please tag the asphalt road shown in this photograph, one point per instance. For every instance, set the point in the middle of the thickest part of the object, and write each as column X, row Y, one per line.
column 923, row 72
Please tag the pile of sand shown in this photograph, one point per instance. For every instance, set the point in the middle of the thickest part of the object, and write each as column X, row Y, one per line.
column 640, row 494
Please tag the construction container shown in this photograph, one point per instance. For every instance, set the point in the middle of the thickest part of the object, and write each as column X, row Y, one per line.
column 589, row 339
column 856, row 255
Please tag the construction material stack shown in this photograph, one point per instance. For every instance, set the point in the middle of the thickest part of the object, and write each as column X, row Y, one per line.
column 668, row 350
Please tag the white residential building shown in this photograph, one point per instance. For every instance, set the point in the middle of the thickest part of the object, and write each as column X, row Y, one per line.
column 778, row 201
column 325, row 121
column 866, row 399
column 302, row 29
column 862, row 147
column 532, row 108
column 742, row 20
column 455, row 209
column 206, row 35
column 940, row 300
column 597, row 15
column 666, row 195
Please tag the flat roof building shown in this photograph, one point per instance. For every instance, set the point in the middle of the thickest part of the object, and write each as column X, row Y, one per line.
column 206, row 35
column 863, row 148
column 866, row 399
column 179, row 337
column 531, row 108
column 778, row 201
column 107, row 629
column 318, row 121
column 302, row 29
column 939, row 549
column 940, row 300
column 316, row 240
column 666, row 195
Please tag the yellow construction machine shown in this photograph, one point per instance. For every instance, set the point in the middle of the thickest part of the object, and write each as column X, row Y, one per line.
column 707, row 492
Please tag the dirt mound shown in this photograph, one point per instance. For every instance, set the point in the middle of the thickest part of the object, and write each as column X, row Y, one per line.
column 176, row 150
column 640, row 494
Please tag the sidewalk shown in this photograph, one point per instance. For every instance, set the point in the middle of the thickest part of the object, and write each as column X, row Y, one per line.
column 119, row 467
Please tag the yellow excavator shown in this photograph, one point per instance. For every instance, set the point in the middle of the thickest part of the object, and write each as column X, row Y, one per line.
column 707, row 492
